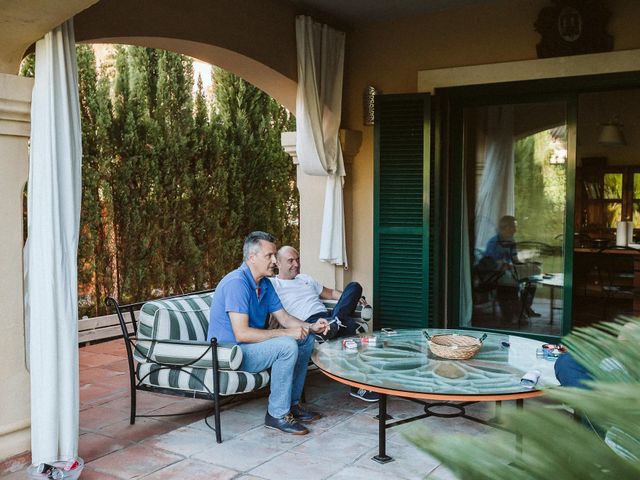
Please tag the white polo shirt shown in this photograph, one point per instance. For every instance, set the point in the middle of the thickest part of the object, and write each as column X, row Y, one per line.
column 301, row 296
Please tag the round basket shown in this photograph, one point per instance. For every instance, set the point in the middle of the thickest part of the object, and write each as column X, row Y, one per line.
column 454, row 347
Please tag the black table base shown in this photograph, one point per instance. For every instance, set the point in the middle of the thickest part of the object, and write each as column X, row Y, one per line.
column 459, row 411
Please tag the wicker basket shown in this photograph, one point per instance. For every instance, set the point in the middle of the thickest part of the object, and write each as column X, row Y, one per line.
column 454, row 347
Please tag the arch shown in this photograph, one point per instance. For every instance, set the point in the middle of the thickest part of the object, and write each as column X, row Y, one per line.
column 207, row 31
column 274, row 83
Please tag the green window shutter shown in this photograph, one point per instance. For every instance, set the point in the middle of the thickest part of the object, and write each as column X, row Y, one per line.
column 401, row 213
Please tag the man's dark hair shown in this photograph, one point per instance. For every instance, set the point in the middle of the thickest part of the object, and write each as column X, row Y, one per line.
column 252, row 243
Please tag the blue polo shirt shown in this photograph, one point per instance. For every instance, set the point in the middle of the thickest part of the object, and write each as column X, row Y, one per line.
column 501, row 250
column 237, row 293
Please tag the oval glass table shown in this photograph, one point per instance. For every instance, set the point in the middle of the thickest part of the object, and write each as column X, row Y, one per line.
column 400, row 364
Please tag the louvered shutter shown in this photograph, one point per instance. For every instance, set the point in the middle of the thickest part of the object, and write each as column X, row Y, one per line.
column 401, row 193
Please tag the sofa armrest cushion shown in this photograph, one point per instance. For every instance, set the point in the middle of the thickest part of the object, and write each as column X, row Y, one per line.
column 180, row 353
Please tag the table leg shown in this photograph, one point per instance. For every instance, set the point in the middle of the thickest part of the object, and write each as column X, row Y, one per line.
column 382, row 456
column 519, row 406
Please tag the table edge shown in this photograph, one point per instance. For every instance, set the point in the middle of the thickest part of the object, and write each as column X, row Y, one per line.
column 436, row 396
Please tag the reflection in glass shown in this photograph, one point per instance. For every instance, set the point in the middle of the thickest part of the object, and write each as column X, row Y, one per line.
column 636, row 186
column 515, row 194
column 613, row 212
column 613, row 186
column 636, row 214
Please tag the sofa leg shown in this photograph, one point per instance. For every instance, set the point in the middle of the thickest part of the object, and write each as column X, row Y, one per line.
column 216, row 402
column 132, row 418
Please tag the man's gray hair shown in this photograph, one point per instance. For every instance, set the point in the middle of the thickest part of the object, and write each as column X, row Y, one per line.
column 252, row 243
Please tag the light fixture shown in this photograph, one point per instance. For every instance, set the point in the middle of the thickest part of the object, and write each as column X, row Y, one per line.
column 611, row 134
column 368, row 105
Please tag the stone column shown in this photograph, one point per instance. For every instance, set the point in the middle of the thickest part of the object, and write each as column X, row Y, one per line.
column 15, row 129
column 311, row 190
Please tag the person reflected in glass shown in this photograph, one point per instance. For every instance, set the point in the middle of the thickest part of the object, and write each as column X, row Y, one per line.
column 514, row 294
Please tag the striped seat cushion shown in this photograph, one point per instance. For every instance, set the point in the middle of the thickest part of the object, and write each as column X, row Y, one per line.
column 184, row 319
column 191, row 379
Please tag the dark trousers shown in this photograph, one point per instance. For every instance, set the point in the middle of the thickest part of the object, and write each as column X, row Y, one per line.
column 344, row 308
column 569, row 372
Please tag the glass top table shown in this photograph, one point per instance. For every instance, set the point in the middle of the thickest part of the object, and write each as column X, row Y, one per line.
column 402, row 365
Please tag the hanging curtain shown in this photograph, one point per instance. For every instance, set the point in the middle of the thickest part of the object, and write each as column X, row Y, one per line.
column 497, row 184
column 318, row 112
column 51, row 250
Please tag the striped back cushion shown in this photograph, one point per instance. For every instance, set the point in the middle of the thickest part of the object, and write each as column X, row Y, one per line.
column 182, row 318
column 185, row 319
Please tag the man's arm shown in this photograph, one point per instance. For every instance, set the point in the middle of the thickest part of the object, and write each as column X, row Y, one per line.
column 290, row 322
column 329, row 294
column 246, row 334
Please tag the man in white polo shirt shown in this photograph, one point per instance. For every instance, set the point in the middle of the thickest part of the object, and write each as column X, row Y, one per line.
column 301, row 296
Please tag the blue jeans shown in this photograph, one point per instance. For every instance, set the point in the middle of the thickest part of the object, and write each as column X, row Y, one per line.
column 569, row 372
column 344, row 308
column 288, row 359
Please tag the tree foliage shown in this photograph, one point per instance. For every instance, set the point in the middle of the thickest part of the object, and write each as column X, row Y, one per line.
column 171, row 181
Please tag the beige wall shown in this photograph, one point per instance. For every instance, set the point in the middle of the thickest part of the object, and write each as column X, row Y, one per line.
column 389, row 56
column 15, row 101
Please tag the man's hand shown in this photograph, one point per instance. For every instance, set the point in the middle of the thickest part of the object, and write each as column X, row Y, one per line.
column 298, row 333
column 321, row 327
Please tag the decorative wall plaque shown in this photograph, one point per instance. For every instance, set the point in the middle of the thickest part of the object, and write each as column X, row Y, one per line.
column 573, row 27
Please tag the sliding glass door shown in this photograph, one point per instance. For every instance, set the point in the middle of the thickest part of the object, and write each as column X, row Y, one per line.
column 513, row 208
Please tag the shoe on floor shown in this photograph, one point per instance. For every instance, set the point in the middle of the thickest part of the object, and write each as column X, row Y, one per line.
column 366, row 395
column 533, row 314
column 303, row 415
column 286, row 424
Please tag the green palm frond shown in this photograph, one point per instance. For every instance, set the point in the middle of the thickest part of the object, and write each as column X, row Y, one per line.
column 555, row 444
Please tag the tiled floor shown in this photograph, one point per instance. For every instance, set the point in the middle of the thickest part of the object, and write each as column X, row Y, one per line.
column 340, row 445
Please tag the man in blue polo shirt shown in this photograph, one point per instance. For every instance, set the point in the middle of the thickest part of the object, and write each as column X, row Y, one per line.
column 239, row 314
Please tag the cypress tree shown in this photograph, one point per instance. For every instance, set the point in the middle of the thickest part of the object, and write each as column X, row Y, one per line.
column 260, row 180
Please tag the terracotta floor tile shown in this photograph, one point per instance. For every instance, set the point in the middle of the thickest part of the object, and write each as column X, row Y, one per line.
column 193, row 470
column 113, row 347
column 90, row 359
column 292, row 466
column 147, row 402
column 135, row 461
column 183, row 441
column 120, row 365
column 143, row 428
column 94, row 445
column 239, row 454
column 89, row 473
column 100, row 416
column 91, row 394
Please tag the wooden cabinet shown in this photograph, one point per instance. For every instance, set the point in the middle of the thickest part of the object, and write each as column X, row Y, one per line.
column 605, row 196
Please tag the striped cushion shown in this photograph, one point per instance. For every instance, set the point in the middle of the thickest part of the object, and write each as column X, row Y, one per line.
column 184, row 319
column 229, row 355
column 188, row 378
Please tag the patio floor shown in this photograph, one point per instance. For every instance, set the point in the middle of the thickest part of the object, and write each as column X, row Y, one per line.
column 340, row 445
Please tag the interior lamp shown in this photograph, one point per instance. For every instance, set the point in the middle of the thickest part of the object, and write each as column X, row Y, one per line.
column 611, row 134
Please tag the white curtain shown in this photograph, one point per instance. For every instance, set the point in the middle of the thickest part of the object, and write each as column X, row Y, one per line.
column 54, row 192
column 497, row 184
column 318, row 112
